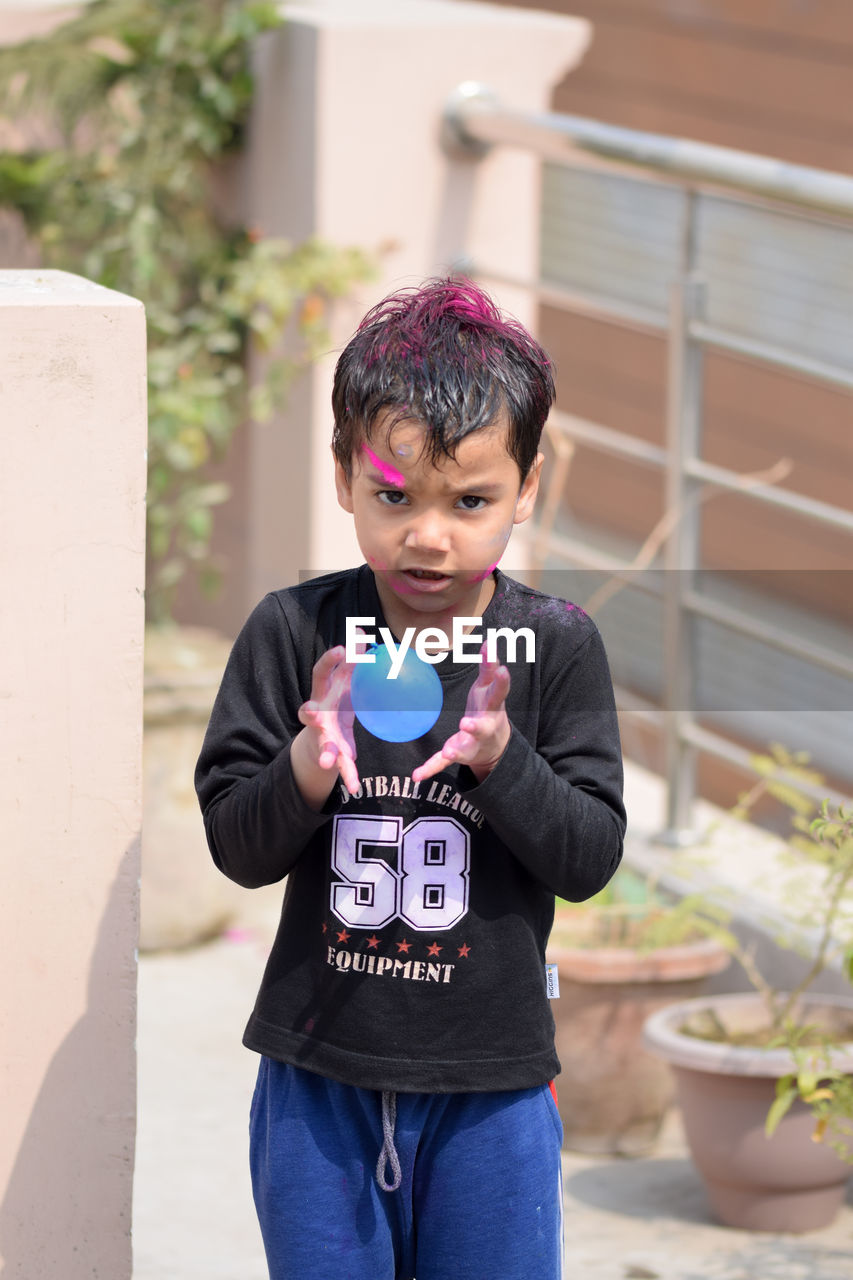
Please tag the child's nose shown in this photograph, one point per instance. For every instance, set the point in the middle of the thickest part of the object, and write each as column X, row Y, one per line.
column 428, row 532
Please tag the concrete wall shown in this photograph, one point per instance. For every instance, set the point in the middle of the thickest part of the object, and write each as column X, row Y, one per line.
column 345, row 144
column 72, row 484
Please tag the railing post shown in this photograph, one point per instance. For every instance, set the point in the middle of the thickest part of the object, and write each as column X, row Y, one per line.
column 684, row 433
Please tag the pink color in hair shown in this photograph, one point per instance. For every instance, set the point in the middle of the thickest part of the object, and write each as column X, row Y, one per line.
column 389, row 474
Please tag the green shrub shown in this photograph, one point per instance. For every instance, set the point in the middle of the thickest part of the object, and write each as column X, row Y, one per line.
column 142, row 104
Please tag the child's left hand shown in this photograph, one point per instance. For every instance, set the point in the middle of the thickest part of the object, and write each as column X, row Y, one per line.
column 484, row 730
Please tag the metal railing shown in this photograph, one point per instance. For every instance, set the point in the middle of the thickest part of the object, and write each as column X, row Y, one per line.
column 475, row 121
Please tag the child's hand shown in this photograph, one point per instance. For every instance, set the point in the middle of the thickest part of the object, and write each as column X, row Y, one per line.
column 484, row 730
column 328, row 741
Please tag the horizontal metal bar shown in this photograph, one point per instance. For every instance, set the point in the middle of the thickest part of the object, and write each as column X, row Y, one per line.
column 475, row 117
column 765, row 351
column 778, row 638
column 599, row 307
column 703, row 606
column 634, row 704
column 615, row 311
column 607, row 440
column 592, row 306
column 715, row 744
column 797, row 503
column 582, row 556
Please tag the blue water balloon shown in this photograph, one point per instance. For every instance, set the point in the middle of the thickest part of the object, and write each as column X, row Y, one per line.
column 401, row 709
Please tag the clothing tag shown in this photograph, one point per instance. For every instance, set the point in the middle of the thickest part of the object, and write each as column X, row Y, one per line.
column 552, row 981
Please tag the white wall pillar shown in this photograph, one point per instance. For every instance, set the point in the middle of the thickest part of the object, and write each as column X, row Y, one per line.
column 72, row 539
column 345, row 144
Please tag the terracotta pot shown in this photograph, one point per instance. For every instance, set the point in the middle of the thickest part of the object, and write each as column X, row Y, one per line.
column 612, row 1094
column 787, row 1182
column 184, row 899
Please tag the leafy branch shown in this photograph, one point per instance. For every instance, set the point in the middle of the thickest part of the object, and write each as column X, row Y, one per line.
column 122, row 117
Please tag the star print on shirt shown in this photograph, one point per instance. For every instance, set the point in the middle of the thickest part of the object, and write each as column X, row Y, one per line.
column 434, row 949
column 372, row 942
column 343, row 936
column 464, row 951
column 404, row 946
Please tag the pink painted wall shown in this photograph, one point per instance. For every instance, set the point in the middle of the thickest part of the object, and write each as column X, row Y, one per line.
column 72, row 484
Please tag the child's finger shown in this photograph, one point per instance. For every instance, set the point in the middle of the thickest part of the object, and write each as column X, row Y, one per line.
column 309, row 713
column 457, row 747
column 432, row 766
column 323, row 670
column 340, row 683
column 461, row 741
column 362, row 643
column 486, row 673
column 329, row 752
column 348, row 772
column 497, row 690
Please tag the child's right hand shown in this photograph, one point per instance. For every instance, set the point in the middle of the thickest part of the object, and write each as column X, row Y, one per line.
column 327, row 741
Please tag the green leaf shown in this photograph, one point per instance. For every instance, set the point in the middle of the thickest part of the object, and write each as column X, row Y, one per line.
column 807, row 1079
column 145, row 100
column 786, row 1095
column 199, row 524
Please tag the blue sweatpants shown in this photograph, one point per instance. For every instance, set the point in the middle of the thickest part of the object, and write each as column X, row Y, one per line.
column 479, row 1196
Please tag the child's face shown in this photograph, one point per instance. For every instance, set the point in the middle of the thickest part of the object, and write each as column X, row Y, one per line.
column 433, row 532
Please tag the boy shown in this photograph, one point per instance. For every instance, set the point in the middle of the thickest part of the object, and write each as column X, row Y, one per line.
column 403, row 1013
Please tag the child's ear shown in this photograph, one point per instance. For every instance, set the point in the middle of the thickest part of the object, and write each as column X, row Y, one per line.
column 529, row 489
column 343, row 485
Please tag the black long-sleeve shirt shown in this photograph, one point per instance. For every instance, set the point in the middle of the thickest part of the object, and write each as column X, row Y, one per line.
column 411, row 950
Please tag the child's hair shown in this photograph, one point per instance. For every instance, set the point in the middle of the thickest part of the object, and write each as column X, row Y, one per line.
column 444, row 355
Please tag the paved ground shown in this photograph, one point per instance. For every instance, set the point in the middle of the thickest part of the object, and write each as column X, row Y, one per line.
column 642, row 1219
column 193, row 1216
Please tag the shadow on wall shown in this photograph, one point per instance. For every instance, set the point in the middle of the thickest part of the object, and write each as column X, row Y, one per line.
column 68, row 1204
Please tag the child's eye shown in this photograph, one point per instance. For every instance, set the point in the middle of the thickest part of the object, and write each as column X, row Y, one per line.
column 391, row 497
column 472, row 503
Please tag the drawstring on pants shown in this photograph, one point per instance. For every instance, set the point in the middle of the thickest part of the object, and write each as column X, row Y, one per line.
column 388, row 1154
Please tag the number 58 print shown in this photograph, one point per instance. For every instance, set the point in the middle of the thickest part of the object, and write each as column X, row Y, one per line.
column 422, row 879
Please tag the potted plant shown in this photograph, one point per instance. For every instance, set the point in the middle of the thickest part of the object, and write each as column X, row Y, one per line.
column 623, row 954
column 764, row 1077
column 128, row 116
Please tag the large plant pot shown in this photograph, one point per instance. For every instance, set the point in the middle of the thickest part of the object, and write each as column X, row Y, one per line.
column 612, row 1094
column 184, row 899
column 787, row 1182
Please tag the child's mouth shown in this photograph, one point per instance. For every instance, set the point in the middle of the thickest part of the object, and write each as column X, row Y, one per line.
column 425, row 579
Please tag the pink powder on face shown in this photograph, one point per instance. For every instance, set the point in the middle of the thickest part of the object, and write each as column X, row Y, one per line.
column 485, row 573
column 399, row 585
column 388, row 473
column 502, row 536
